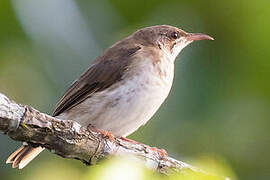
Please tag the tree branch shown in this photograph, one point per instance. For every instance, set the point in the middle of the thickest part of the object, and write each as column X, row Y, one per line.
column 69, row 139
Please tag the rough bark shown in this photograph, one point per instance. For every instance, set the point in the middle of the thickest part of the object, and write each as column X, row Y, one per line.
column 69, row 139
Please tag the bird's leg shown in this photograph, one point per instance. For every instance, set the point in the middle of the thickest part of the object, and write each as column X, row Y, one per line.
column 107, row 134
column 103, row 132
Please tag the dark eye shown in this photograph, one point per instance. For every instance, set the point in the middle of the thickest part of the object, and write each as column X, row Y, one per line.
column 175, row 35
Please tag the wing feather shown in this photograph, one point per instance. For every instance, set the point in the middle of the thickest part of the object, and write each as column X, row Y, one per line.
column 105, row 71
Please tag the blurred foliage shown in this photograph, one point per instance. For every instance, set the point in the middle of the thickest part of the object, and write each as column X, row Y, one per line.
column 132, row 169
column 219, row 104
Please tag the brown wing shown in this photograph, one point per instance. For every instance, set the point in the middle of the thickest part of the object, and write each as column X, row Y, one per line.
column 105, row 71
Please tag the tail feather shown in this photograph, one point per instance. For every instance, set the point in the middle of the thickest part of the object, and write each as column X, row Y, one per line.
column 12, row 157
column 19, row 157
column 22, row 156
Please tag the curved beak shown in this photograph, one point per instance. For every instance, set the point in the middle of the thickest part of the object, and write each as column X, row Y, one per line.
column 198, row 37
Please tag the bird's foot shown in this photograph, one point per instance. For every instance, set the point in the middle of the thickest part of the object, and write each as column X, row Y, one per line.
column 107, row 134
column 103, row 132
column 161, row 152
column 129, row 140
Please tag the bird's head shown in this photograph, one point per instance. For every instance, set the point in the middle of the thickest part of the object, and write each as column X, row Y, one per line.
column 167, row 38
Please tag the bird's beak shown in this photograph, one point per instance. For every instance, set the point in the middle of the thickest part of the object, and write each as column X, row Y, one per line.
column 198, row 37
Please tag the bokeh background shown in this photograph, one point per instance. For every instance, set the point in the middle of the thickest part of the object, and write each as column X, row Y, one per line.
column 217, row 114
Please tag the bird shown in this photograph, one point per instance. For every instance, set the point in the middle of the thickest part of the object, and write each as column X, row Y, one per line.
column 124, row 87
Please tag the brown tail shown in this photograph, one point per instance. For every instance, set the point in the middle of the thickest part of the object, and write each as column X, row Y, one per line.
column 22, row 156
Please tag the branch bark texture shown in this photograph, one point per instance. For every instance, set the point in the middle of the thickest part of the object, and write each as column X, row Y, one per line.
column 69, row 139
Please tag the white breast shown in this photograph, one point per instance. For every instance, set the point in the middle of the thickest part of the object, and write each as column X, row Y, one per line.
column 129, row 104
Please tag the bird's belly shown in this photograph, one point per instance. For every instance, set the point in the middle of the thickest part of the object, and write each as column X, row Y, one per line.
column 122, row 109
column 130, row 108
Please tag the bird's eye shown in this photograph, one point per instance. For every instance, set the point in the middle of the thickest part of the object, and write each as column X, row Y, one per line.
column 174, row 35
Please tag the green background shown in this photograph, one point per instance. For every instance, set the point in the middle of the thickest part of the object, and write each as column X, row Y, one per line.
column 218, row 108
